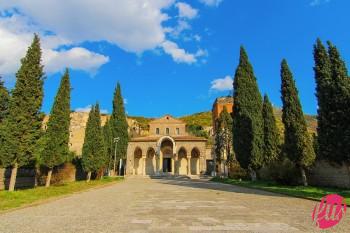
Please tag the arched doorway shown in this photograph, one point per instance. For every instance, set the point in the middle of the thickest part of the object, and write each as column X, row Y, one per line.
column 150, row 162
column 195, row 161
column 182, row 162
column 138, row 161
column 166, row 148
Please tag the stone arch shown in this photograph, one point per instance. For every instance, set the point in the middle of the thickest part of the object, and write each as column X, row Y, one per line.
column 138, row 161
column 182, row 161
column 195, row 155
column 150, row 161
column 161, row 140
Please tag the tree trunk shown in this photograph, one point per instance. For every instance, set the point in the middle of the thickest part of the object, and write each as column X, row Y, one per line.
column 303, row 176
column 253, row 175
column 88, row 177
column 48, row 178
column 13, row 177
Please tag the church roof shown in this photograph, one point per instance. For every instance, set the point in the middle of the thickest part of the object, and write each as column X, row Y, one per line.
column 176, row 138
column 168, row 119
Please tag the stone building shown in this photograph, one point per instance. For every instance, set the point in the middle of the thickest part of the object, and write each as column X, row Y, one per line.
column 218, row 107
column 167, row 150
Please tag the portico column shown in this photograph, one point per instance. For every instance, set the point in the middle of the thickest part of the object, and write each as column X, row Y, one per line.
column 176, row 166
column 144, row 165
column 173, row 165
column 188, row 165
column 160, row 162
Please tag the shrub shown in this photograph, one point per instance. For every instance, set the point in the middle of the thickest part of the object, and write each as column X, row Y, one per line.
column 236, row 171
column 281, row 171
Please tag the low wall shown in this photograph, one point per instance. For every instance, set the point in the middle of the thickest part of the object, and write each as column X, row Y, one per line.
column 27, row 178
column 325, row 174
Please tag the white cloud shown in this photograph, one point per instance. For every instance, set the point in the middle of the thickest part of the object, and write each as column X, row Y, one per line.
column 88, row 109
column 211, row 2
column 222, row 84
column 180, row 27
column 133, row 25
column 180, row 55
column 76, row 58
column 318, row 2
column 16, row 35
column 186, row 11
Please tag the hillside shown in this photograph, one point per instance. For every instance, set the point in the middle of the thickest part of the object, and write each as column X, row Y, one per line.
column 204, row 119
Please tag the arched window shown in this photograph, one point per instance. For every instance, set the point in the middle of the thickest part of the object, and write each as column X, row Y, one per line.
column 167, row 131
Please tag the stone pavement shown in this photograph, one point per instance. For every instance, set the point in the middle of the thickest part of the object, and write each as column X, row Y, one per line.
column 168, row 205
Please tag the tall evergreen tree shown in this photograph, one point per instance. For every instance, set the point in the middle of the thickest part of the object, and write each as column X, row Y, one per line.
column 119, row 124
column 4, row 105
column 271, row 136
column 93, row 147
column 223, row 137
column 4, row 101
column 108, row 140
column 326, row 120
column 297, row 141
column 341, row 104
column 247, row 117
column 56, row 138
column 23, row 125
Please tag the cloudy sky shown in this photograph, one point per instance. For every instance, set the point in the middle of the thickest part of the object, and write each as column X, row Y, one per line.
column 170, row 56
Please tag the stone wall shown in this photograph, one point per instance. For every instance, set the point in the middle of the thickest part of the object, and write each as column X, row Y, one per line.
column 77, row 129
column 325, row 174
column 29, row 178
column 25, row 178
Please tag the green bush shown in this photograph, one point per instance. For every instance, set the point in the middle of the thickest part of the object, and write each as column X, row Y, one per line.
column 237, row 172
column 281, row 171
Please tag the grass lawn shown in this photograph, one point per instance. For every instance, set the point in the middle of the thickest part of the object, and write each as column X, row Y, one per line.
column 9, row 200
column 310, row 192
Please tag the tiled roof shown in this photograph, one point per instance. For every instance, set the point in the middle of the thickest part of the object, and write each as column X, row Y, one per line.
column 176, row 138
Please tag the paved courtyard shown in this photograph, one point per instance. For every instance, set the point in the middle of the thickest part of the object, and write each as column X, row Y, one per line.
column 167, row 205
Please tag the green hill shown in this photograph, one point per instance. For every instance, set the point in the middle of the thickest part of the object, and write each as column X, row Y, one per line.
column 204, row 119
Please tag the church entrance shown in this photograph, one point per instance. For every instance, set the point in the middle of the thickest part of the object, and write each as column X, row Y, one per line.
column 167, row 165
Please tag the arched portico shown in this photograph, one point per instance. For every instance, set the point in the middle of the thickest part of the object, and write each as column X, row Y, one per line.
column 138, row 166
column 150, row 161
column 182, row 162
column 194, row 161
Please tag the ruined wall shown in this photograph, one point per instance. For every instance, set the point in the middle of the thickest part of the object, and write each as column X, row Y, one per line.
column 77, row 129
column 325, row 174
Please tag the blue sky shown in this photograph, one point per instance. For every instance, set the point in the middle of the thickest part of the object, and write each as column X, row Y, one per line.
column 170, row 56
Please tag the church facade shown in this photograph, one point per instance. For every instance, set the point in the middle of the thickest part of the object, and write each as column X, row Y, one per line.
column 167, row 150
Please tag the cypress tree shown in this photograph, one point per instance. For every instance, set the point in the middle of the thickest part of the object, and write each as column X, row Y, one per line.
column 327, row 143
column 56, row 141
column 119, row 124
column 4, row 105
column 297, row 142
column 108, row 140
column 271, row 136
column 93, row 147
column 4, row 101
column 247, row 117
column 223, row 137
column 341, row 107
column 23, row 125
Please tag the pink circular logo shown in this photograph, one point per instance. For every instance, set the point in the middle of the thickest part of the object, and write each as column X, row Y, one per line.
column 329, row 211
